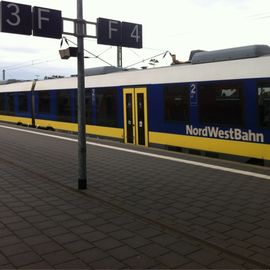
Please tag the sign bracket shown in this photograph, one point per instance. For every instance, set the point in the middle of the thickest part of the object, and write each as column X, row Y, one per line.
column 75, row 23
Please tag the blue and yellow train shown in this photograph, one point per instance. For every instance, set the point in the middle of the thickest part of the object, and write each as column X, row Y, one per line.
column 218, row 102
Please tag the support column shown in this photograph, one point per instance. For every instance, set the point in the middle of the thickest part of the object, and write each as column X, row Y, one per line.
column 82, row 180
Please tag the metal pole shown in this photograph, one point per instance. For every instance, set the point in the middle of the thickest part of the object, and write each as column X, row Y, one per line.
column 119, row 56
column 33, row 104
column 82, row 180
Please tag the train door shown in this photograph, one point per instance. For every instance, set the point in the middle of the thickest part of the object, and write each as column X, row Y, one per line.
column 135, row 116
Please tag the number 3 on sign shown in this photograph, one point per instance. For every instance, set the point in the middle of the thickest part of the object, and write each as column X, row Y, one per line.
column 15, row 18
column 14, row 14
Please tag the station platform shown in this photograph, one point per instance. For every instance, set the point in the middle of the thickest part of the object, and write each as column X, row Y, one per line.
column 143, row 208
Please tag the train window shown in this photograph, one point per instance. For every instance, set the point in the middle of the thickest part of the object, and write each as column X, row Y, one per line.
column 106, row 107
column 89, row 97
column 64, row 106
column 88, row 107
column 44, row 102
column 23, row 102
column 10, row 104
column 264, row 104
column 2, row 104
column 176, row 103
column 221, row 103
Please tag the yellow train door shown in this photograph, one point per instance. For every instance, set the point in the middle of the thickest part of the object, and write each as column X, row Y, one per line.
column 135, row 116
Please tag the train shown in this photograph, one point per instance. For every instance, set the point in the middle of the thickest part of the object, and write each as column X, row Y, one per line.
column 216, row 104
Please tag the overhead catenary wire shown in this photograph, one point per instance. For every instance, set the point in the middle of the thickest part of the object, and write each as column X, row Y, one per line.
column 94, row 55
column 105, row 51
column 98, row 56
column 33, row 63
column 149, row 58
column 19, row 66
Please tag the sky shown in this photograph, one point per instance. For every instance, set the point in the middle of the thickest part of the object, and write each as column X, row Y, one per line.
column 177, row 26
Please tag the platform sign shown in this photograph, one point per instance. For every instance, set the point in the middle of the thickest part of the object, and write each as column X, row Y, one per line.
column 109, row 32
column 20, row 19
column 15, row 18
column 131, row 35
column 117, row 33
column 47, row 22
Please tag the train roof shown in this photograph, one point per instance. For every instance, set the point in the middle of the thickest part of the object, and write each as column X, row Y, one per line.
column 230, row 54
column 256, row 67
column 226, row 70
column 16, row 87
column 102, row 70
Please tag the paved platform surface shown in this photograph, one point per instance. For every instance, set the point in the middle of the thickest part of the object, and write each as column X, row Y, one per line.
column 139, row 211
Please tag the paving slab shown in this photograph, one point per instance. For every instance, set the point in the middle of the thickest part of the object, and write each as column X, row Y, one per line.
column 137, row 209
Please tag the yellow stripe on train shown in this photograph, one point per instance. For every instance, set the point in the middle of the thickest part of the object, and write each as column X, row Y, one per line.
column 233, row 147
column 15, row 119
column 90, row 129
column 247, row 149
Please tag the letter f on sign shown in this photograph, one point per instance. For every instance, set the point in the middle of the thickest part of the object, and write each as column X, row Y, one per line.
column 40, row 18
column 111, row 29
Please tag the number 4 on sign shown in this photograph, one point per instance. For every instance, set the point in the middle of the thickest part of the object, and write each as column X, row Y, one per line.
column 131, row 35
column 135, row 33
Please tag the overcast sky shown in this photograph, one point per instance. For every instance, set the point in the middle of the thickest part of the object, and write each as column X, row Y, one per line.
column 178, row 26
